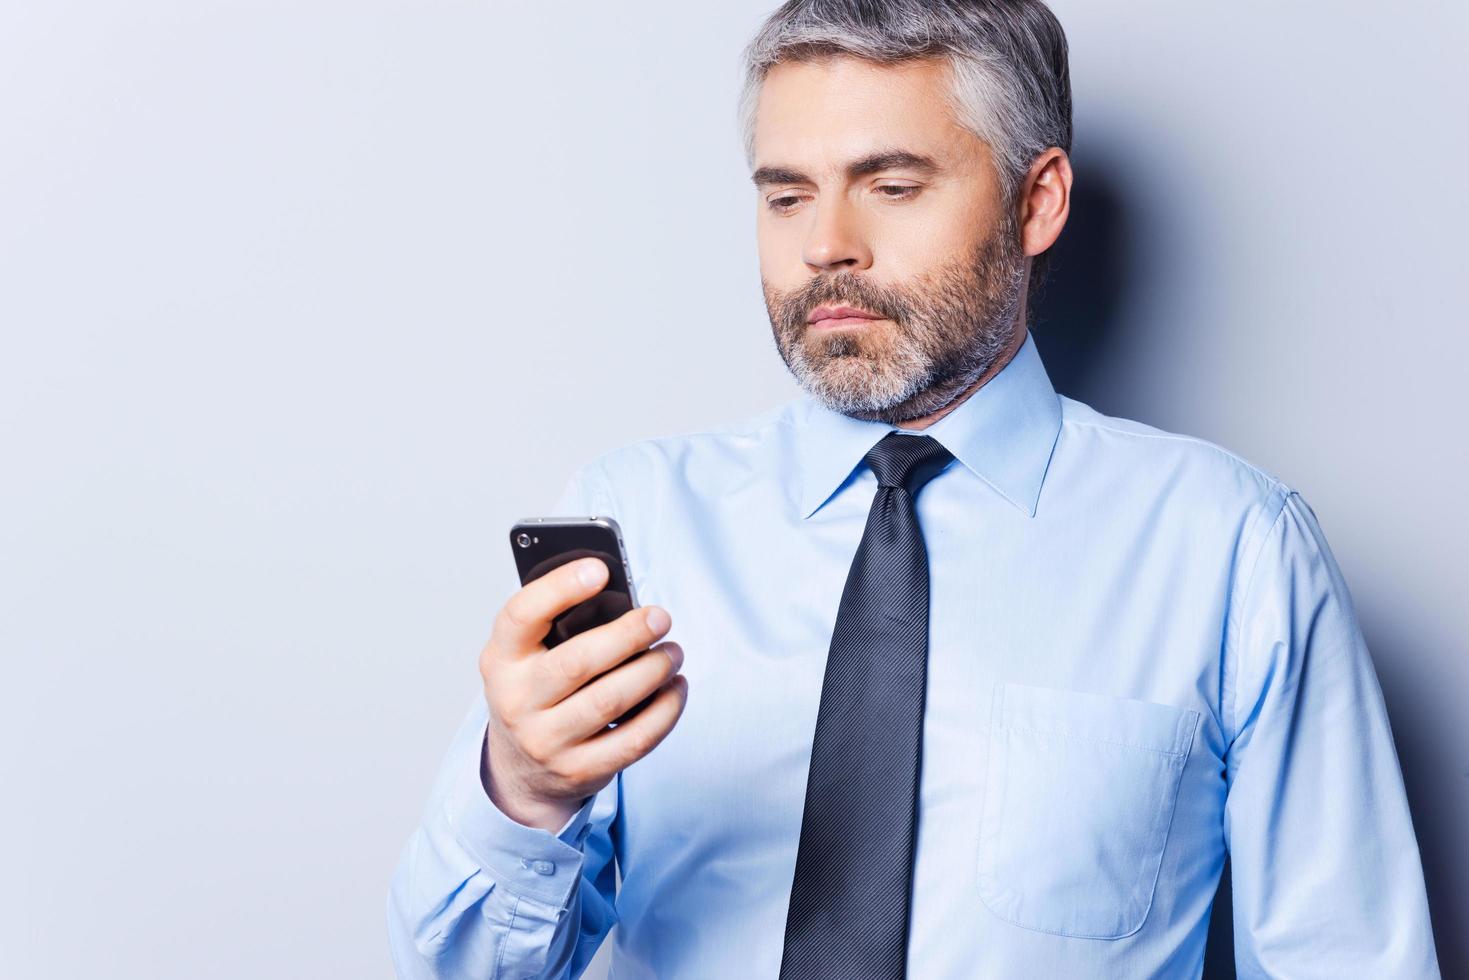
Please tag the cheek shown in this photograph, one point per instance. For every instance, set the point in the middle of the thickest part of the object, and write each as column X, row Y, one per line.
column 914, row 253
column 780, row 280
column 781, row 264
column 933, row 236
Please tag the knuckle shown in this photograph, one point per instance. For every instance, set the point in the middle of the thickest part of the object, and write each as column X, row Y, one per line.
column 604, row 701
column 509, row 617
column 513, row 719
column 641, row 741
column 493, row 696
column 569, row 666
column 536, row 751
column 556, row 768
column 580, row 775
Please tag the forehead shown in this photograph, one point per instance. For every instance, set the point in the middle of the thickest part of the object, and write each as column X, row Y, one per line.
column 840, row 106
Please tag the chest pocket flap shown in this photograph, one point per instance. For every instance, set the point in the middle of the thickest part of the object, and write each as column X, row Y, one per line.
column 1078, row 802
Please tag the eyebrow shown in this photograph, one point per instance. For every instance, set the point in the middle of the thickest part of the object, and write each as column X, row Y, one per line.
column 870, row 164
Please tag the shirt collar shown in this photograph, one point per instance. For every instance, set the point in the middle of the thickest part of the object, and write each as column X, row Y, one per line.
column 1003, row 433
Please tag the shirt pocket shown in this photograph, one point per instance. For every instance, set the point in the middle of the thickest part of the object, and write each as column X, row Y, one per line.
column 1078, row 801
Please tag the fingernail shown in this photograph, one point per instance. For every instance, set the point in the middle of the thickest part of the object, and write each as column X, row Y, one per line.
column 657, row 620
column 590, row 571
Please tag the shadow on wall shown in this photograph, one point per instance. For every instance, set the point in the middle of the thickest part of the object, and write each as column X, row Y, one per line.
column 1078, row 317
column 1078, row 311
column 1426, row 757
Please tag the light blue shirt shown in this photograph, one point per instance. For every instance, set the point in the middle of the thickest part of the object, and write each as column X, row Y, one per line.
column 1142, row 656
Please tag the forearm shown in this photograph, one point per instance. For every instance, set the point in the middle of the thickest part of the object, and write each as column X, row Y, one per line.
column 478, row 895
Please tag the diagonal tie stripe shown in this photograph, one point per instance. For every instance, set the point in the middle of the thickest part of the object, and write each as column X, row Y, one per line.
column 850, row 899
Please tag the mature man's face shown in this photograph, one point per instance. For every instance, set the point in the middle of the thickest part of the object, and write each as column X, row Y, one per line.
column 925, row 244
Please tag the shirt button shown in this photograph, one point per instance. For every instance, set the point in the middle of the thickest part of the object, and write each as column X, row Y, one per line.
column 539, row 867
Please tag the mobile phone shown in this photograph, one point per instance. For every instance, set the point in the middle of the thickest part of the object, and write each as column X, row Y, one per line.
column 543, row 543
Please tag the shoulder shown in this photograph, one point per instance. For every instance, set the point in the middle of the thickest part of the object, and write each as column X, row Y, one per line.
column 1154, row 466
column 1127, row 442
column 1141, row 442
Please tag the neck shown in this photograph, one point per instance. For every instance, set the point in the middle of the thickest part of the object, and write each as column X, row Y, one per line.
column 1015, row 344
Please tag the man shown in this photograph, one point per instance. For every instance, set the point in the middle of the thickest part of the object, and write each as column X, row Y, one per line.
column 980, row 681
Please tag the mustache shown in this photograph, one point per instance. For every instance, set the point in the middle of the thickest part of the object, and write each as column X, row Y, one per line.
column 832, row 292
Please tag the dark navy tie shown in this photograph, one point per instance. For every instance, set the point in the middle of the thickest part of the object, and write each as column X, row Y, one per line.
column 848, row 915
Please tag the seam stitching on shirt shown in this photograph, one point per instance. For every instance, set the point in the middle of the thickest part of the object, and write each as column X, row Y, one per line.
column 1181, row 437
column 505, row 941
column 1226, row 711
column 1236, row 601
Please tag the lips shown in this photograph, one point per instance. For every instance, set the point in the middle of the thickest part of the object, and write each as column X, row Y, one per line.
column 840, row 315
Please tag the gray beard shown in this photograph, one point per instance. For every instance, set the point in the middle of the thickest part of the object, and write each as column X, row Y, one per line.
column 946, row 332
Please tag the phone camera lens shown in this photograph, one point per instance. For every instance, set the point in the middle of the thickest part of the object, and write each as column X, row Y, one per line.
column 523, row 539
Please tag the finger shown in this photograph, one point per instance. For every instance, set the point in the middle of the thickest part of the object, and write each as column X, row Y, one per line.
column 614, row 694
column 525, row 619
column 617, row 748
column 567, row 667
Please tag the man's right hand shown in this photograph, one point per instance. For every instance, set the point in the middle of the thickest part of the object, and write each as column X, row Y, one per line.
column 547, row 747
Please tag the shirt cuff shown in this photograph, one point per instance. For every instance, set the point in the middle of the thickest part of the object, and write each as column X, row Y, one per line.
column 527, row 861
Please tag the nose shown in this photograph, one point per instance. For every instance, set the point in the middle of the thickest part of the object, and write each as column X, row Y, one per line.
column 835, row 241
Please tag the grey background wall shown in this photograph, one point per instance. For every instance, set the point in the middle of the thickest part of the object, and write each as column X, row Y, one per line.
column 303, row 303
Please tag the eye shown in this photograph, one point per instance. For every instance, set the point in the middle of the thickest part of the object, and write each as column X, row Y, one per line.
column 895, row 192
column 904, row 191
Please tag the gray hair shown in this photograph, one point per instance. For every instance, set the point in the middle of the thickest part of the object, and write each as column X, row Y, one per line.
column 1010, row 83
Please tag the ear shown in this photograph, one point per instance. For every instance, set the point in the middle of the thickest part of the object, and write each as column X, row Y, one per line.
column 1045, row 201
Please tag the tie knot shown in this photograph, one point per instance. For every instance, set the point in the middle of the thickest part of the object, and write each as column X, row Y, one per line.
column 907, row 461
